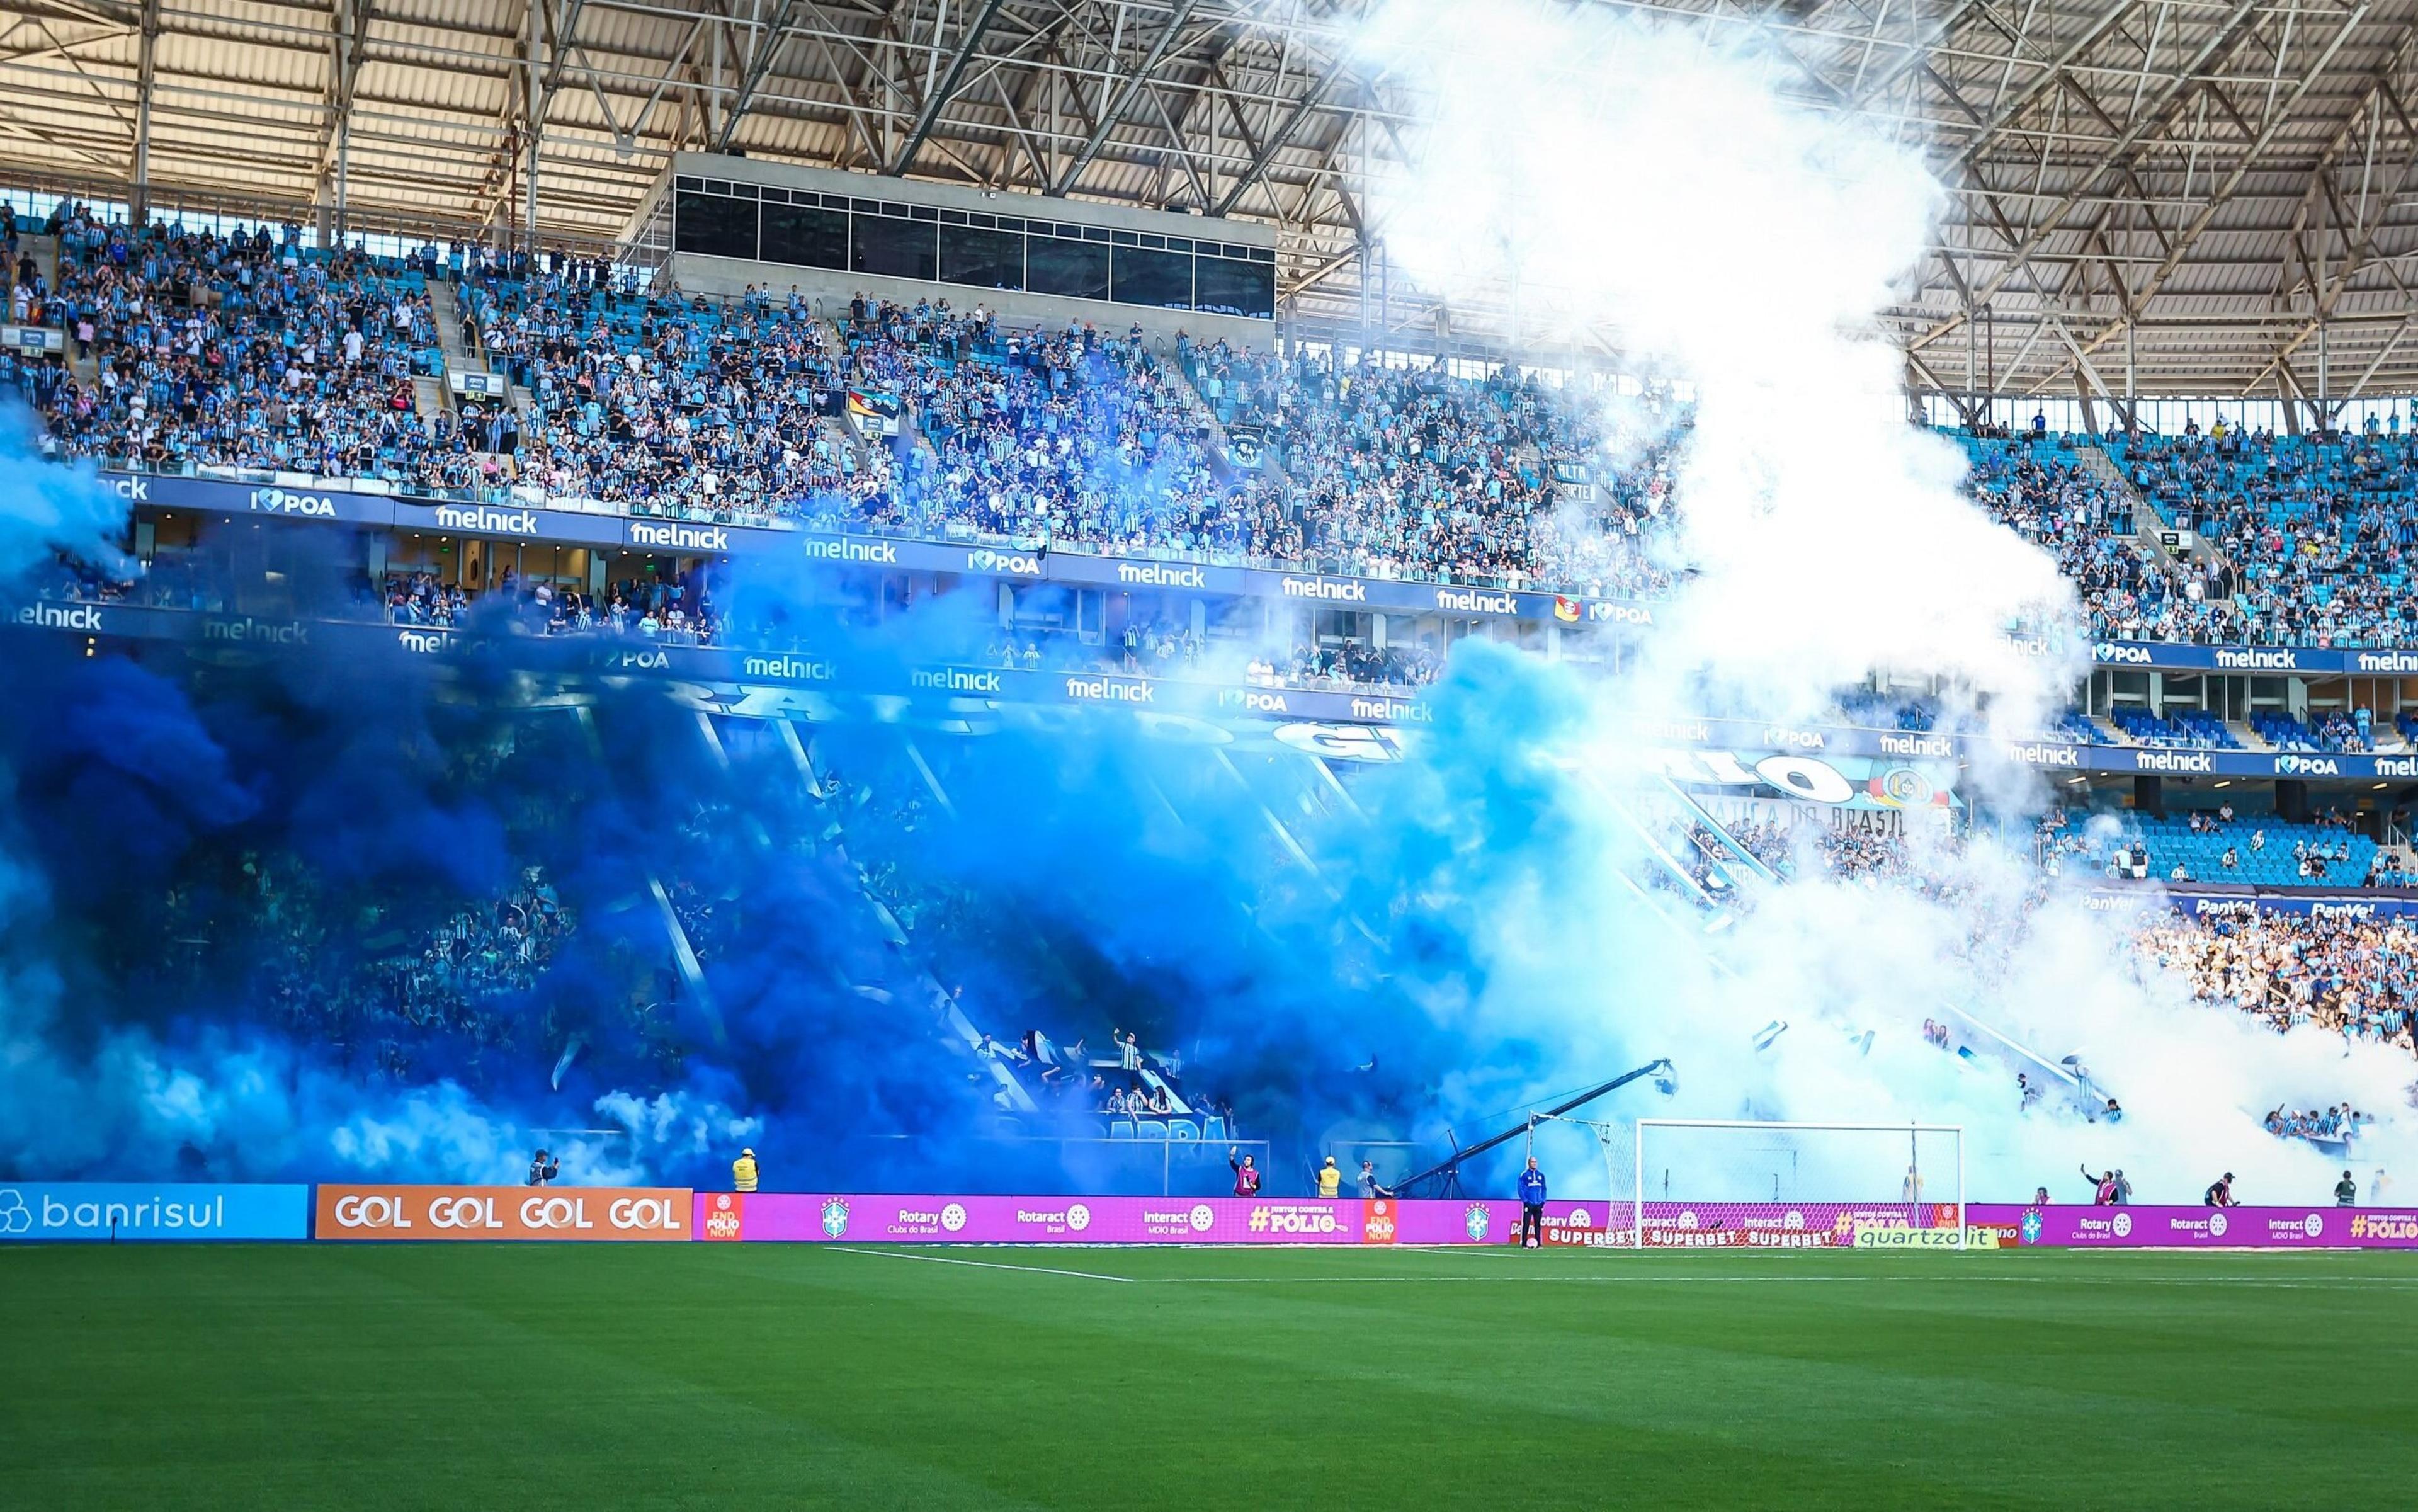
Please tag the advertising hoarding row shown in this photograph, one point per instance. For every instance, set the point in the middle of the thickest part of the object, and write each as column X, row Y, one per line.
column 1839, row 765
column 582, row 522
column 577, row 521
column 174, row 1212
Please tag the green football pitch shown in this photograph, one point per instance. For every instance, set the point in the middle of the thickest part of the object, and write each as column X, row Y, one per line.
column 529, row 1378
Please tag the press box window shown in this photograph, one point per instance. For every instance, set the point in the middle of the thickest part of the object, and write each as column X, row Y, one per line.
column 714, row 227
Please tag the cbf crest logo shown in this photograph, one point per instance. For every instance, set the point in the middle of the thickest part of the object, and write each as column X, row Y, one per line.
column 1474, row 1222
column 835, row 1219
column 2032, row 1228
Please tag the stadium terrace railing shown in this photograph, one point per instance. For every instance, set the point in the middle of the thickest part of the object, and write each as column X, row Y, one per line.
column 520, row 512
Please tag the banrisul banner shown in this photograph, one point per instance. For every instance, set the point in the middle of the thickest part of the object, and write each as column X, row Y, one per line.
column 151, row 1213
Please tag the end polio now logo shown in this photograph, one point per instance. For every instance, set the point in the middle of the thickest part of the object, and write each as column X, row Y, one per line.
column 835, row 1219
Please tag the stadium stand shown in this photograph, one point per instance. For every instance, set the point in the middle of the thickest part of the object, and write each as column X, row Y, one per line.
column 251, row 349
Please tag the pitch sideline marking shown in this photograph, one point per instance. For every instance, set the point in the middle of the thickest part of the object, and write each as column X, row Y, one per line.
column 2307, row 1283
column 986, row 1265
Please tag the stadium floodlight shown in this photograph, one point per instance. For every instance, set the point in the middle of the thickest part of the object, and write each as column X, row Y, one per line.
column 1710, row 1183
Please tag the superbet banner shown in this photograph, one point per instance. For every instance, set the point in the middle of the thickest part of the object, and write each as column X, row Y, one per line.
column 556, row 1213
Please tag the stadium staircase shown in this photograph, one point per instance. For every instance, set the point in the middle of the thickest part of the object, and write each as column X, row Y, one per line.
column 446, row 311
column 684, row 956
column 2148, row 519
column 822, row 794
column 1215, row 440
column 44, row 249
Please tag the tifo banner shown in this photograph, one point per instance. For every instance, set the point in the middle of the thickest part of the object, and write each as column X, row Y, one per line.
column 153, row 1213
column 575, row 1213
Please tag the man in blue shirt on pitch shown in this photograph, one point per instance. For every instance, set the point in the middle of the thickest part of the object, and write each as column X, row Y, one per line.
column 1532, row 1206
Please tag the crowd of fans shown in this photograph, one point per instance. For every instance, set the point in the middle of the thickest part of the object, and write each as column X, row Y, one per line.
column 2317, row 532
column 2087, row 523
column 251, row 349
column 2356, row 976
column 366, row 979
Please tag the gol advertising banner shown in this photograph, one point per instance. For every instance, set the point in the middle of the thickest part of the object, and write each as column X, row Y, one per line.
column 149, row 1213
column 559, row 1213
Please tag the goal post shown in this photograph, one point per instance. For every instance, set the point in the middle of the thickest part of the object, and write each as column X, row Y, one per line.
column 1750, row 1184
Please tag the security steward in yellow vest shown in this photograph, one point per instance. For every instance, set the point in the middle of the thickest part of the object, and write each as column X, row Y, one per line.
column 742, row 1172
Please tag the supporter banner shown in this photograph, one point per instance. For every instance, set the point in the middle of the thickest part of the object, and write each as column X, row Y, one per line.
column 161, row 1213
column 569, row 1213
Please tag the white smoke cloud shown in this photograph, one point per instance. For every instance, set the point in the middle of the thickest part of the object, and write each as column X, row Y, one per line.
column 1588, row 168
column 1591, row 168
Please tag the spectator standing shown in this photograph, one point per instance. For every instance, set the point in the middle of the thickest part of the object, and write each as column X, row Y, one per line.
column 2346, row 1192
column 1247, row 1174
column 1532, row 1206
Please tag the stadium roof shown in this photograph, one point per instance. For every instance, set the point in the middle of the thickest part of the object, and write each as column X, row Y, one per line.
column 2194, row 187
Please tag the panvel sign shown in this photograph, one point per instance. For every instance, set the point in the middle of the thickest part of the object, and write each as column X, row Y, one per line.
column 440, row 1212
column 142, row 1213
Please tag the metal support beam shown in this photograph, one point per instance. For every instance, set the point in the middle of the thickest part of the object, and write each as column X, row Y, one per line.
column 146, row 71
column 1123, row 96
column 947, row 86
column 1262, row 159
column 759, row 63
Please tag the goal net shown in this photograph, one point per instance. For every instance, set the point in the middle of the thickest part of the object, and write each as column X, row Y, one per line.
column 1748, row 1184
